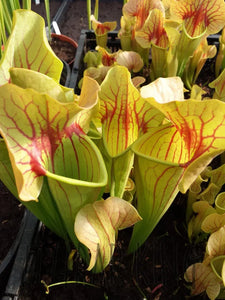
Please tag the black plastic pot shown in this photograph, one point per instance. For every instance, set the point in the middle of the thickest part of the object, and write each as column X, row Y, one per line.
column 15, row 278
column 87, row 42
column 7, row 262
column 213, row 39
column 65, row 75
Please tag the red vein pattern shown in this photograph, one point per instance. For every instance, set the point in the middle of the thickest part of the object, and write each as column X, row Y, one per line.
column 124, row 114
column 153, row 31
column 33, row 126
column 200, row 15
column 28, row 48
column 140, row 10
column 169, row 158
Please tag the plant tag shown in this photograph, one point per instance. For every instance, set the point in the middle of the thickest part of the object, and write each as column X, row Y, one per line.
column 56, row 27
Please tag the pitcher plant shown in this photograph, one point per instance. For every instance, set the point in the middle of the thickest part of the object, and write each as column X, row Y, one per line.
column 117, row 155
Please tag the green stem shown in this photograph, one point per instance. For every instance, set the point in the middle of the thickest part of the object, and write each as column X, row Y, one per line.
column 139, row 289
column 185, row 49
column 96, row 9
column 112, row 183
column 16, row 4
column 26, row 4
column 66, row 282
column 47, row 10
column 6, row 20
column 89, row 13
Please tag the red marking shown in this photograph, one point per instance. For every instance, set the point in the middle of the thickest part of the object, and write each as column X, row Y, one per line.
column 108, row 60
column 74, row 128
column 159, row 286
column 157, row 33
column 200, row 14
column 102, row 29
column 37, row 167
column 142, row 13
column 67, row 202
column 170, row 143
column 158, row 187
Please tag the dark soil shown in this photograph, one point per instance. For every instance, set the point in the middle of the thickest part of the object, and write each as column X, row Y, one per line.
column 75, row 18
column 63, row 49
column 155, row 271
column 11, row 213
column 40, row 8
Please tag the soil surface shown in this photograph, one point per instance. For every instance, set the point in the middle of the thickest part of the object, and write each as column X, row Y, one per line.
column 11, row 214
column 155, row 271
column 64, row 49
column 75, row 19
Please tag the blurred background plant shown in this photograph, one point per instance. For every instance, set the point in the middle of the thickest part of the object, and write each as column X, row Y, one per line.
column 172, row 37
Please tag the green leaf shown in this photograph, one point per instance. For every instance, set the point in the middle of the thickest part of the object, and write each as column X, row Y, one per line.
column 45, row 209
column 137, row 11
column 41, row 83
column 6, row 172
column 101, row 30
column 203, row 279
column 218, row 85
column 199, row 16
column 124, row 115
column 213, row 222
column 200, row 125
column 156, row 182
column 43, row 139
column 77, row 177
column 202, row 209
column 197, row 62
column 169, row 158
column 123, row 112
column 118, row 169
column 28, row 48
column 96, row 226
column 217, row 264
column 220, row 203
column 154, row 34
column 32, row 125
column 216, row 243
